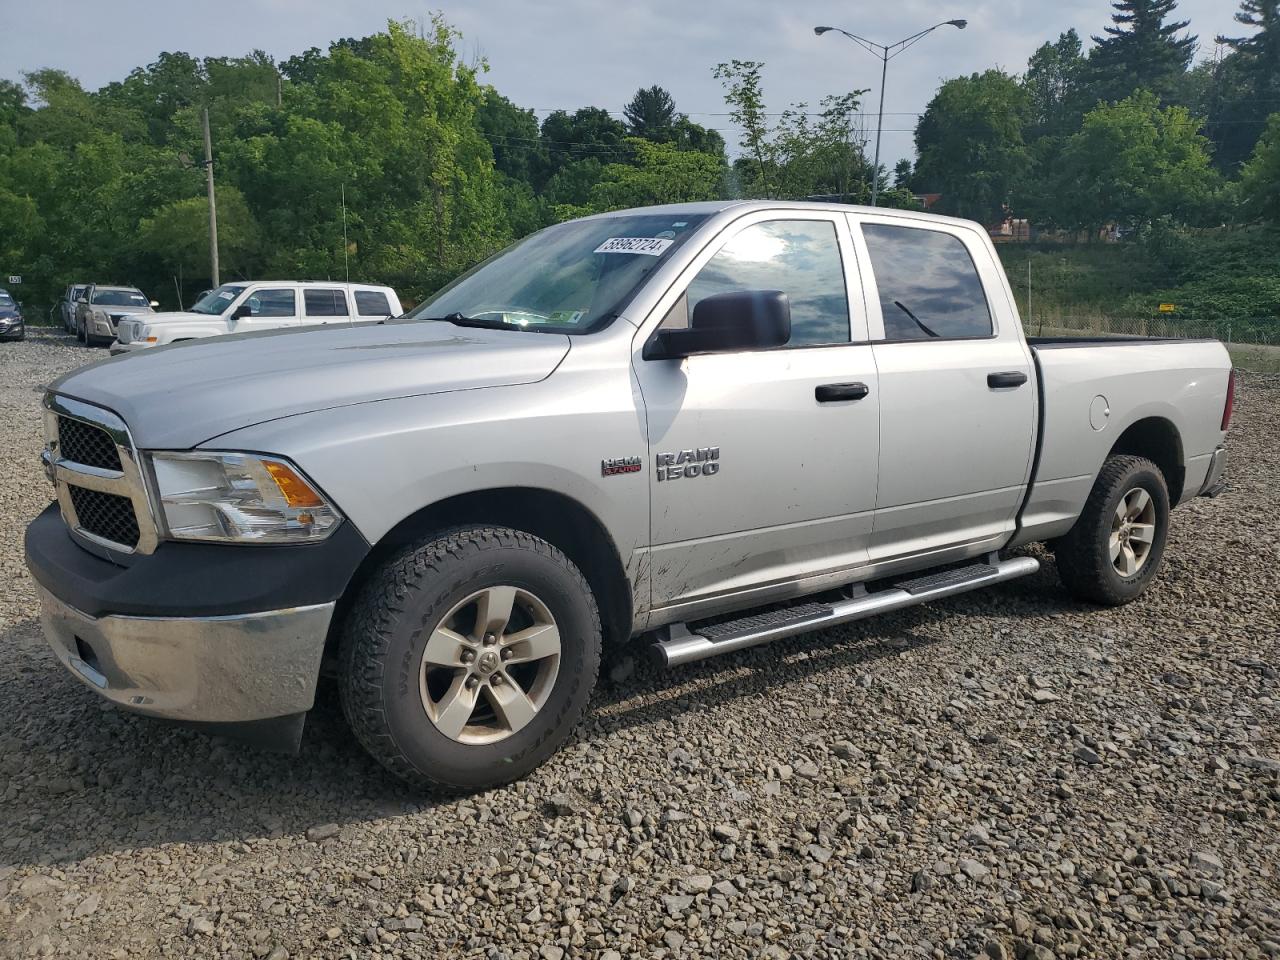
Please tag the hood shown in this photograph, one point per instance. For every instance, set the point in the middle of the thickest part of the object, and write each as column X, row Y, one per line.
column 180, row 315
column 178, row 396
column 118, row 310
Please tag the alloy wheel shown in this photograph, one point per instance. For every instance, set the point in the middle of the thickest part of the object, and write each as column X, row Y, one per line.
column 489, row 665
column 1133, row 531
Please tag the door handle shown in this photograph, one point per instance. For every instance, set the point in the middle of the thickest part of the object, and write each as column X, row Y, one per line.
column 1006, row 378
column 833, row 392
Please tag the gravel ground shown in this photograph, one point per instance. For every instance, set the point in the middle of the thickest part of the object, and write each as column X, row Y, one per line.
column 1009, row 773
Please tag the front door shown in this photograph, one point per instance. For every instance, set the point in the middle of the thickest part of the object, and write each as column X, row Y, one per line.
column 957, row 390
column 763, row 463
column 269, row 307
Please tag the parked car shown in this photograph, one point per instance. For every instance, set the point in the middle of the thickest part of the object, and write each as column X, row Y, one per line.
column 711, row 425
column 67, row 305
column 101, row 308
column 261, row 305
column 12, row 325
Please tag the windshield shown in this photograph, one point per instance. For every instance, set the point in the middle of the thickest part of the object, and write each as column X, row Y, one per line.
column 5, row 299
column 217, row 301
column 119, row 298
column 570, row 278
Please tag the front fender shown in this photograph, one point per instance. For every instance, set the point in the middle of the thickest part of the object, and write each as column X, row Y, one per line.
column 384, row 461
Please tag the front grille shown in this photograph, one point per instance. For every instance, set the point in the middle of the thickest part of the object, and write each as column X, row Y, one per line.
column 105, row 515
column 84, row 443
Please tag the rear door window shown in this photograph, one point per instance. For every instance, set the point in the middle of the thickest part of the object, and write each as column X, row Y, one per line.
column 372, row 303
column 323, row 302
column 928, row 284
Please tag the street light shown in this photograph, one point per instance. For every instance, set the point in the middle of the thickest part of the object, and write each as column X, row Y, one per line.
column 886, row 52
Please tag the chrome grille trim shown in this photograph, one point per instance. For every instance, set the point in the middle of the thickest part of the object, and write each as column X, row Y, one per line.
column 128, row 482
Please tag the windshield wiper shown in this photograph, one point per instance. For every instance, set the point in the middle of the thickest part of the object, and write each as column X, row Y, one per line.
column 461, row 320
column 913, row 317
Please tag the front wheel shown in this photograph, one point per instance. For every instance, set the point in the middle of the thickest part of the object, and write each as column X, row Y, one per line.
column 467, row 659
column 1111, row 554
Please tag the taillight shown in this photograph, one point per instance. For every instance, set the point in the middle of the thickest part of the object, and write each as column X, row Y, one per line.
column 1231, row 399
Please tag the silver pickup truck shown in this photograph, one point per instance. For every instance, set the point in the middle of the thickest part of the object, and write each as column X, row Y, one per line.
column 708, row 425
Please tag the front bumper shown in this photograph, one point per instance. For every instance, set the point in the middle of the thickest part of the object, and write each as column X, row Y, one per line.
column 13, row 331
column 1215, row 480
column 231, row 669
column 199, row 632
column 117, row 347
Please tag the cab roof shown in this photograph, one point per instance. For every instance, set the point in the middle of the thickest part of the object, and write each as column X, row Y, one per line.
column 712, row 207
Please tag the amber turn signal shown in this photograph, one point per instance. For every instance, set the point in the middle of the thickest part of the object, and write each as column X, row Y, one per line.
column 296, row 490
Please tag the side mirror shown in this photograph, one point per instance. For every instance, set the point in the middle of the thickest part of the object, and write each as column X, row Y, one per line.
column 244, row 310
column 728, row 322
column 154, row 304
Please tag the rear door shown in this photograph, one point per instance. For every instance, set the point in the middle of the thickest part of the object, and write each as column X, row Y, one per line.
column 957, row 390
column 325, row 305
column 760, row 477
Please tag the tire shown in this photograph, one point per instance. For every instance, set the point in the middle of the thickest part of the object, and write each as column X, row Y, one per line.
column 1085, row 555
column 389, row 680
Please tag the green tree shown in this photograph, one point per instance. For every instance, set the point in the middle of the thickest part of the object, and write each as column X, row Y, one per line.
column 651, row 115
column 1054, row 84
column 662, row 174
column 513, row 134
column 1245, row 86
column 1260, row 179
column 1142, row 49
column 1132, row 162
column 969, row 144
column 744, row 95
column 688, row 135
column 177, row 235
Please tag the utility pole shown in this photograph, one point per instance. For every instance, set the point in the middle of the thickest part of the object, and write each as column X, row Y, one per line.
column 213, row 203
column 345, row 249
column 875, row 166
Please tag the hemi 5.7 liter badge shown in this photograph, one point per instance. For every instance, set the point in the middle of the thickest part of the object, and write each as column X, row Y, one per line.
column 611, row 468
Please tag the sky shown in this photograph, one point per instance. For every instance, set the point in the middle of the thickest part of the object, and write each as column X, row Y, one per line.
column 573, row 53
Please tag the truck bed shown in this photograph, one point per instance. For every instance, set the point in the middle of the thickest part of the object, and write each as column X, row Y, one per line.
column 1095, row 389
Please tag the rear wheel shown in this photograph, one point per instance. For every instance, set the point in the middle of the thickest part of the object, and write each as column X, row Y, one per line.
column 1112, row 553
column 468, row 659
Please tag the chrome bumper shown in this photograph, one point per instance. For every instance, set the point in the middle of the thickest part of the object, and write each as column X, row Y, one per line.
column 1215, row 480
column 202, row 669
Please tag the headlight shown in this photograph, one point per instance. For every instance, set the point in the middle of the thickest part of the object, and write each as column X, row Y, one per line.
column 240, row 497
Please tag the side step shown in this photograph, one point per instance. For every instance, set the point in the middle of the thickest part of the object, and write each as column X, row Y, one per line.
column 685, row 646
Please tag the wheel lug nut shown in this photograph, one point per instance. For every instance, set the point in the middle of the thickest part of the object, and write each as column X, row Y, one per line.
column 496, row 679
column 490, row 639
column 468, row 656
column 506, row 654
column 473, row 682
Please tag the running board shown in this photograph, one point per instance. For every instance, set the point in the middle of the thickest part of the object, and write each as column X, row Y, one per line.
column 683, row 645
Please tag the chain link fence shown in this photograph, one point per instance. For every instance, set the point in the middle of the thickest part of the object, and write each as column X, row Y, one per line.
column 1254, row 342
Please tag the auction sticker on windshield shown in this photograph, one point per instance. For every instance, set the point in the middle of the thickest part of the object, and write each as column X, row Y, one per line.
column 652, row 246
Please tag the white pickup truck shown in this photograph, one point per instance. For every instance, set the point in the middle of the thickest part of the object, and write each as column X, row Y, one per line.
column 261, row 305
column 707, row 425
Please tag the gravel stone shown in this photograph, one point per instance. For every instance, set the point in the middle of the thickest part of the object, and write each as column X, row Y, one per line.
column 907, row 786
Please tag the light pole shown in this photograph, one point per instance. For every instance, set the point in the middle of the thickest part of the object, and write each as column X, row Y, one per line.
column 886, row 52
